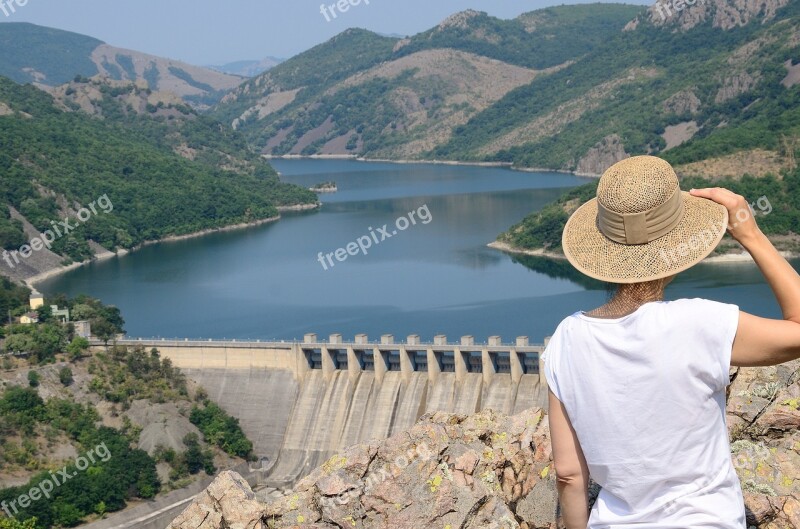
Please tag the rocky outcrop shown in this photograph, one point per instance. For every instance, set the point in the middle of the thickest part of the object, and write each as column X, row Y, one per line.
column 683, row 102
column 764, row 424
column 447, row 470
column 489, row 470
column 603, row 155
column 228, row 503
column 460, row 20
column 724, row 14
column 483, row 470
column 735, row 85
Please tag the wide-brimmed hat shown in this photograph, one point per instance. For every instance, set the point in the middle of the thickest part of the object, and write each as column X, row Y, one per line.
column 641, row 226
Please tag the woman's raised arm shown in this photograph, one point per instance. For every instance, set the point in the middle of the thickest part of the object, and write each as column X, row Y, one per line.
column 762, row 341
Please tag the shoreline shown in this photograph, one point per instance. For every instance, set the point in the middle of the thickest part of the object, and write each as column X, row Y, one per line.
column 404, row 161
column 357, row 158
column 730, row 257
column 505, row 247
column 53, row 272
column 49, row 274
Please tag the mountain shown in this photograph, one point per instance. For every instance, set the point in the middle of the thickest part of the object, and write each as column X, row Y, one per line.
column 148, row 165
column 363, row 93
column 248, row 68
column 50, row 57
column 702, row 85
column 712, row 87
column 310, row 72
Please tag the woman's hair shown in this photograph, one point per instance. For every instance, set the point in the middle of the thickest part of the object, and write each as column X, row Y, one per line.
column 644, row 290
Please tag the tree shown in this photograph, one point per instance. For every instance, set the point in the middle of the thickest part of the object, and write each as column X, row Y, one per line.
column 45, row 313
column 33, row 379
column 103, row 329
column 11, row 523
column 66, row 514
column 193, row 454
column 201, row 395
column 195, row 458
column 82, row 311
column 22, row 400
column 18, row 343
column 77, row 347
column 48, row 340
column 221, row 429
column 65, row 376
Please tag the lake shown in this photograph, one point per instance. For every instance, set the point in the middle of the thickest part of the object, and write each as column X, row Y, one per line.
column 436, row 276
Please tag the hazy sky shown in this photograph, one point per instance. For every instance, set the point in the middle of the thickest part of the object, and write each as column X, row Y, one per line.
column 219, row 31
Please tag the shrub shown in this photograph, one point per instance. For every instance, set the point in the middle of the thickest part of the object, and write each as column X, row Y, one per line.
column 65, row 376
column 77, row 347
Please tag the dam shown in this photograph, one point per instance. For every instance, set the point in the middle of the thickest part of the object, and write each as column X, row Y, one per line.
column 301, row 402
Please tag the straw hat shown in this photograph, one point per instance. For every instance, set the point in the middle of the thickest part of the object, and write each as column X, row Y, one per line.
column 641, row 226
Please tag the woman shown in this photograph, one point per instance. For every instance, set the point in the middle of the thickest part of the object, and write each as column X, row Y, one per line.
column 637, row 386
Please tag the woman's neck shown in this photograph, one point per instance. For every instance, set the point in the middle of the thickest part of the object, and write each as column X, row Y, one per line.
column 629, row 297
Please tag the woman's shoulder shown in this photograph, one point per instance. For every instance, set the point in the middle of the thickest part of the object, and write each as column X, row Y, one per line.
column 700, row 314
column 701, row 304
column 568, row 320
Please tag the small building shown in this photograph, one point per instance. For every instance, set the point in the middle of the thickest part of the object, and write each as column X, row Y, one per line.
column 29, row 318
column 36, row 300
column 83, row 329
column 60, row 314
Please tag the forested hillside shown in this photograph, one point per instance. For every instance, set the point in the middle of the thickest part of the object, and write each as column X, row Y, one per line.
column 163, row 169
column 712, row 87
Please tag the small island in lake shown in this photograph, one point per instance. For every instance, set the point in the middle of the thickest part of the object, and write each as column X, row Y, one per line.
column 325, row 187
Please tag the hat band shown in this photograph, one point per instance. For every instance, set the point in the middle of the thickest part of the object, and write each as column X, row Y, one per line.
column 642, row 227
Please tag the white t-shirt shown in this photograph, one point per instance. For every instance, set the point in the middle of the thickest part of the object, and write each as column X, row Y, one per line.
column 645, row 394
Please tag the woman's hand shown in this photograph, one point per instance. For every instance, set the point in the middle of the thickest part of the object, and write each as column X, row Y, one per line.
column 741, row 221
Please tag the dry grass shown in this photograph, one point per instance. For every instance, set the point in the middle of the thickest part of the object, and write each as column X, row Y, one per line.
column 756, row 162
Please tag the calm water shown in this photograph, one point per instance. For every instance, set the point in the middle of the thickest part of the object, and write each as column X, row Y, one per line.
column 435, row 278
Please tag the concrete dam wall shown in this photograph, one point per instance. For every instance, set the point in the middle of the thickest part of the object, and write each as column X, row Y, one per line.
column 302, row 402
